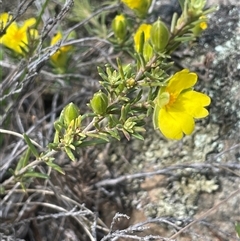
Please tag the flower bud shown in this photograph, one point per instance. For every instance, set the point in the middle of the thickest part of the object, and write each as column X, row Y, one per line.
column 196, row 7
column 200, row 27
column 130, row 83
column 119, row 27
column 159, row 35
column 141, row 41
column 99, row 103
column 69, row 113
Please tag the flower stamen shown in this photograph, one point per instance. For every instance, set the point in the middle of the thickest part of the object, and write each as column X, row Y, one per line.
column 172, row 99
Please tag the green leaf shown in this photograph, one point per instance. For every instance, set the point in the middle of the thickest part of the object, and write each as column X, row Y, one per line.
column 55, row 167
column 124, row 112
column 138, row 136
column 53, row 146
column 36, row 174
column 23, row 160
column 31, row 146
column 100, row 135
column 155, row 116
column 23, row 186
column 102, row 73
column 141, row 42
column 120, row 68
column 114, row 133
column 173, row 22
column 138, row 97
column 126, row 134
column 181, row 2
column 69, row 153
column 185, row 39
column 2, row 190
column 237, row 229
column 92, row 143
column 142, row 61
column 58, row 125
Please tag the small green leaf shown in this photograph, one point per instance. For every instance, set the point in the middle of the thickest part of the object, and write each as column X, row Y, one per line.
column 31, row 146
column 53, row 146
column 102, row 73
column 124, row 113
column 36, row 174
column 173, row 22
column 138, row 136
column 138, row 97
column 114, row 133
column 92, row 143
column 181, row 2
column 126, row 134
column 55, row 167
column 23, row 160
column 141, row 42
column 23, row 186
column 2, row 190
column 69, row 153
column 112, row 121
column 237, row 229
column 185, row 39
column 100, row 135
column 120, row 68
column 155, row 116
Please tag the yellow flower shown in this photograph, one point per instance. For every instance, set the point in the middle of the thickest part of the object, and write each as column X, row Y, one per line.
column 201, row 26
column 60, row 58
column 147, row 48
column 17, row 37
column 177, row 105
column 140, row 7
column 4, row 18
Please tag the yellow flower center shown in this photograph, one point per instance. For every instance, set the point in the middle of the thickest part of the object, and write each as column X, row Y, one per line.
column 18, row 36
column 203, row 25
column 172, row 99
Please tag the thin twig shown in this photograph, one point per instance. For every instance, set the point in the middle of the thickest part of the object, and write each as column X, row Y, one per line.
column 13, row 133
column 165, row 171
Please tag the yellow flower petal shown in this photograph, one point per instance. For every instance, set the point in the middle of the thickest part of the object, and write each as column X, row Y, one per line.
column 4, row 18
column 56, row 38
column 16, row 38
column 28, row 23
column 169, row 127
column 139, row 6
column 194, row 103
column 34, row 33
column 132, row 4
column 174, row 123
column 60, row 58
column 181, row 80
column 146, row 29
column 147, row 48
